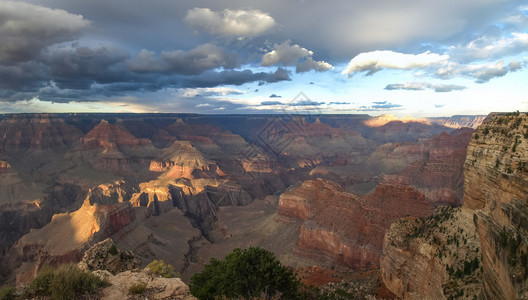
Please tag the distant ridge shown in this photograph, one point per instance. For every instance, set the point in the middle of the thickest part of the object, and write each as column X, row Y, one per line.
column 459, row 121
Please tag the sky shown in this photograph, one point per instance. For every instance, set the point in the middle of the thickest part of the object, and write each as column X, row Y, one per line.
column 419, row 58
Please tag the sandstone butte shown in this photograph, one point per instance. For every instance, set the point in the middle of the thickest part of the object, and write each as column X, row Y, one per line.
column 488, row 231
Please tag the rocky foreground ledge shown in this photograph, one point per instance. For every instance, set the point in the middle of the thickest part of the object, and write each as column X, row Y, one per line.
column 121, row 270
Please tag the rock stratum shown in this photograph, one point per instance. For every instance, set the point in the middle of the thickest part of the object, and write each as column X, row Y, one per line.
column 490, row 260
column 497, row 162
column 344, row 227
column 184, row 187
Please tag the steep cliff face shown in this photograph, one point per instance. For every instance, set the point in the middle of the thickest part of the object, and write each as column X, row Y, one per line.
column 496, row 187
column 433, row 166
column 437, row 257
column 343, row 229
column 459, row 121
column 66, row 237
column 493, row 224
column 36, row 132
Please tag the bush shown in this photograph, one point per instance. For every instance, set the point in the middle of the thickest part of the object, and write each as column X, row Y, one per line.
column 245, row 273
column 40, row 285
column 113, row 250
column 138, row 288
column 159, row 267
column 65, row 282
column 8, row 293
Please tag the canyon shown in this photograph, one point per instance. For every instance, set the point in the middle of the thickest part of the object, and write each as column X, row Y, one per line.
column 315, row 190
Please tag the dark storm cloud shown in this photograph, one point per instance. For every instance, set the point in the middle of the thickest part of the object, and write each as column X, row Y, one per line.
column 77, row 67
column 231, row 77
column 35, row 61
column 68, row 90
column 193, row 62
column 25, row 30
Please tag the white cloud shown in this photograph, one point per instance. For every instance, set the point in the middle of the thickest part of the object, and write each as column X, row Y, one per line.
column 481, row 73
column 377, row 60
column 289, row 55
column 238, row 23
column 433, row 64
column 420, row 86
column 285, row 54
column 486, row 48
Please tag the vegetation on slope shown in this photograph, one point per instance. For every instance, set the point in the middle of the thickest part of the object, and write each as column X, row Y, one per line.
column 245, row 273
column 65, row 282
column 255, row 273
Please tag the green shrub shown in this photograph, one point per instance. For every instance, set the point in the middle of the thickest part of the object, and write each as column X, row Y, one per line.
column 65, row 282
column 8, row 293
column 159, row 267
column 113, row 250
column 40, row 285
column 245, row 273
column 138, row 288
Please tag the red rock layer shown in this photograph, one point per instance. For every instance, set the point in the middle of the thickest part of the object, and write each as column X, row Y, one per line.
column 20, row 133
column 108, row 136
column 437, row 169
column 344, row 227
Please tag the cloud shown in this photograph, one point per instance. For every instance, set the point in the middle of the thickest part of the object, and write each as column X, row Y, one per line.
column 275, row 96
column 439, row 105
column 289, row 55
column 310, row 64
column 432, row 64
column 230, row 77
column 373, row 62
column 79, row 67
column 380, row 106
column 79, row 73
column 420, row 86
column 271, row 103
column 209, row 92
column 481, row 73
column 26, row 29
column 193, row 62
column 285, row 54
column 339, row 103
column 306, row 103
column 489, row 48
column 237, row 23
